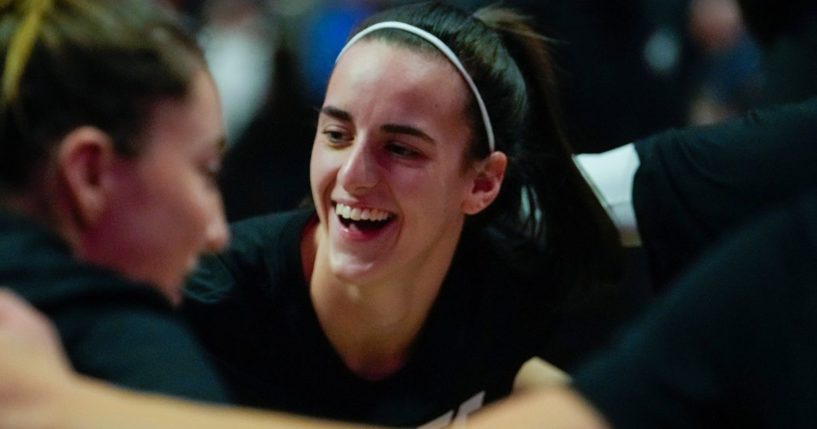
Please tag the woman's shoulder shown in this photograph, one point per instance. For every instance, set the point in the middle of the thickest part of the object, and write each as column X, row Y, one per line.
column 510, row 253
column 503, row 263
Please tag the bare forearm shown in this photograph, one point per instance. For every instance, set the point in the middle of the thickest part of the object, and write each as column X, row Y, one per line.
column 38, row 390
column 553, row 408
column 93, row 405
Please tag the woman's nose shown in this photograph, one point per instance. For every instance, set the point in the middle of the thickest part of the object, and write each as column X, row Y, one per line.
column 360, row 171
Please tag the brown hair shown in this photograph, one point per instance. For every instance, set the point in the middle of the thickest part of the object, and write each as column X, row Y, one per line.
column 543, row 196
column 69, row 63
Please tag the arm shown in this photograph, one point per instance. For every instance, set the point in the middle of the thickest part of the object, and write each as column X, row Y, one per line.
column 28, row 329
column 86, row 404
column 695, row 184
column 37, row 390
column 538, row 373
column 30, row 360
column 554, row 408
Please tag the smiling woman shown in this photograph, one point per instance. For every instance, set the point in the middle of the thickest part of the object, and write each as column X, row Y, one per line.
column 398, row 148
column 448, row 222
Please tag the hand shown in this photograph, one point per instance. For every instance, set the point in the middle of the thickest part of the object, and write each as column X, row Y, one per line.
column 24, row 325
column 32, row 363
column 550, row 407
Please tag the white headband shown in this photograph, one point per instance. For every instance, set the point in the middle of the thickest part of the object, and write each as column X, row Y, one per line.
column 439, row 44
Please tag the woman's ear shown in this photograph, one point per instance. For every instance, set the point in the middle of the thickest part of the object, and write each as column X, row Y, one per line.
column 486, row 183
column 84, row 159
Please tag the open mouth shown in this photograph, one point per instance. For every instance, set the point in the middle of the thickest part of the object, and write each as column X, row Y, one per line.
column 368, row 220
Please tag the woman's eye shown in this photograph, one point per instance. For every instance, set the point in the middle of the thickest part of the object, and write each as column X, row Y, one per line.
column 402, row 150
column 336, row 136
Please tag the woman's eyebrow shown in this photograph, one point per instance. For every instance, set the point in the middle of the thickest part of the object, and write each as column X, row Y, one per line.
column 406, row 129
column 343, row 115
column 336, row 113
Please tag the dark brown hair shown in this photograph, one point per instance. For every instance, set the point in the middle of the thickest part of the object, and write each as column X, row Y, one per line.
column 543, row 196
column 69, row 63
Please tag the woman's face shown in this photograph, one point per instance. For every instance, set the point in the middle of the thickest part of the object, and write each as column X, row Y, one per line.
column 388, row 171
column 165, row 208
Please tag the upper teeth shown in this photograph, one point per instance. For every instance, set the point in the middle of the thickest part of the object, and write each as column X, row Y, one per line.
column 347, row 212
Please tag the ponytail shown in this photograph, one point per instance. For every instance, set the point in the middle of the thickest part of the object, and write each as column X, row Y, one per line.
column 558, row 206
column 544, row 199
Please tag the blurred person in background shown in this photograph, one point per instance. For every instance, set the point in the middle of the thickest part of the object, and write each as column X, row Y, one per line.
column 252, row 50
column 678, row 191
column 787, row 33
column 732, row 77
column 625, row 68
column 111, row 140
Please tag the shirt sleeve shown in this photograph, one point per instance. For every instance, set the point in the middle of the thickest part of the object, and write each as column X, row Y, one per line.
column 610, row 174
column 695, row 184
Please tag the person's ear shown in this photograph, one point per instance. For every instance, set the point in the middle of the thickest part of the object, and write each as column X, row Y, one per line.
column 486, row 183
column 84, row 158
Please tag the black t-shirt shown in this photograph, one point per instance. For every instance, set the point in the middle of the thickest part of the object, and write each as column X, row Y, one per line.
column 251, row 308
column 733, row 344
column 112, row 329
column 695, row 184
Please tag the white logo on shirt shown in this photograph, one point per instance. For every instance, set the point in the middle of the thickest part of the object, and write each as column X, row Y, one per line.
column 469, row 406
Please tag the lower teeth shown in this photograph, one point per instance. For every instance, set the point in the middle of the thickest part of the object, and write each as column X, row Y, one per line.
column 365, row 225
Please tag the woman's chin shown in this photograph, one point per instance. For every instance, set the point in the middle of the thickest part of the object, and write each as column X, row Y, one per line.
column 353, row 268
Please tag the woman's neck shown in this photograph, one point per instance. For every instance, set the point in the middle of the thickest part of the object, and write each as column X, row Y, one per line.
column 44, row 206
column 371, row 326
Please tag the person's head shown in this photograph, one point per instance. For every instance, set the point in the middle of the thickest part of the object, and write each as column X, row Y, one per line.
column 111, row 133
column 402, row 134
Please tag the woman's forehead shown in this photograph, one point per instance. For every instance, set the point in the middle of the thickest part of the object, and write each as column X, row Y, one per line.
column 377, row 55
column 396, row 71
